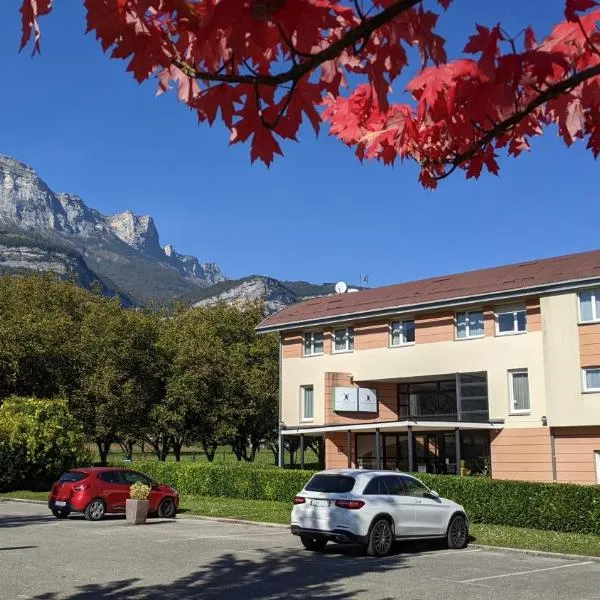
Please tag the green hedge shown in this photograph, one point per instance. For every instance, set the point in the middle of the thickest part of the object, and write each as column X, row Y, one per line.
column 227, row 481
column 558, row 507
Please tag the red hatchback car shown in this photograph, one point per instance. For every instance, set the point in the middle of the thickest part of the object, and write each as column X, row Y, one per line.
column 96, row 491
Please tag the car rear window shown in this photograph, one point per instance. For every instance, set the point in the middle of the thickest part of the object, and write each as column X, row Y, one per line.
column 331, row 484
column 72, row 476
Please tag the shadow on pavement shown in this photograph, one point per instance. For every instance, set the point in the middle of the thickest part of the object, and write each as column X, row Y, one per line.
column 24, row 520
column 267, row 575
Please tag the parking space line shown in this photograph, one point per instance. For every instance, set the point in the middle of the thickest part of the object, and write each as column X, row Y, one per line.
column 481, row 585
column 580, row 564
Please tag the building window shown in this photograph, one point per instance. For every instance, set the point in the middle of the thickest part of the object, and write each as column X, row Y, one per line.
column 511, row 320
column 519, row 391
column 308, row 408
column 469, row 324
column 403, row 332
column 591, row 379
column 313, row 343
column 344, row 339
column 589, row 306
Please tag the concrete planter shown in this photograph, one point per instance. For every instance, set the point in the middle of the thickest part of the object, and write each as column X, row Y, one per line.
column 136, row 511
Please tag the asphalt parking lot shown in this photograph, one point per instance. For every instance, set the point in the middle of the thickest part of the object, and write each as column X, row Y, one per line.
column 45, row 558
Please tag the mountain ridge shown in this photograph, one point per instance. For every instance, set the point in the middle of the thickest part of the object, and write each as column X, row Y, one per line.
column 45, row 230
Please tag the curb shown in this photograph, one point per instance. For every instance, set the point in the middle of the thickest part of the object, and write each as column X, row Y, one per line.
column 536, row 552
column 179, row 516
column 32, row 501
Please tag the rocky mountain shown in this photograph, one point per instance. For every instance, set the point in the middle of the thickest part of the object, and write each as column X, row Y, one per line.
column 123, row 248
column 274, row 293
column 44, row 230
column 23, row 254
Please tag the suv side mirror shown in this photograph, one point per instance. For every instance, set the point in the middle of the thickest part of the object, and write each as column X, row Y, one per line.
column 433, row 495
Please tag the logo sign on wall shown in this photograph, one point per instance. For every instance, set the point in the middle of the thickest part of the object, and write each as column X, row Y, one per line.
column 345, row 399
column 349, row 399
column 367, row 400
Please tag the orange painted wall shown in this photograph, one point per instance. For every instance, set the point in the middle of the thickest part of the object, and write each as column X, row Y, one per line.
column 522, row 454
column 371, row 335
column 336, row 450
column 534, row 314
column 292, row 345
column 575, row 454
column 386, row 400
column 589, row 345
column 489, row 322
column 327, row 341
column 434, row 328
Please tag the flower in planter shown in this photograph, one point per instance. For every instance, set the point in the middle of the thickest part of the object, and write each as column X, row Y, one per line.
column 139, row 491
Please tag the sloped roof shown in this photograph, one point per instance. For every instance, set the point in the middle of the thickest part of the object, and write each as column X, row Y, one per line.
column 530, row 276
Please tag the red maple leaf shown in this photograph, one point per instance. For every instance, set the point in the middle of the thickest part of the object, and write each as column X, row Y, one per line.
column 575, row 6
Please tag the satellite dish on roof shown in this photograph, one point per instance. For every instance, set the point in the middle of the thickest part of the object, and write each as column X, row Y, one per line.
column 341, row 287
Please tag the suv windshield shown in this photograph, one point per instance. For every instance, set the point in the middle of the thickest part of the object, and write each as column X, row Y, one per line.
column 332, row 484
column 72, row 476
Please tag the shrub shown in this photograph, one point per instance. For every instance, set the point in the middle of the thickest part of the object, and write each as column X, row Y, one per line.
column 551, row 506
column 39, row 439
column 139, row 491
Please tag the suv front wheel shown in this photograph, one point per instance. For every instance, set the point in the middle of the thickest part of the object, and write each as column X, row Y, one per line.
column 313, row 542
column 458, row 533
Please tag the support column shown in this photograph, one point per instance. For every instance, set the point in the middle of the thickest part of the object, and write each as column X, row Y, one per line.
column 377, row 442
column 349, row 449
column 553, row 455
column 457, row 442
column 302, row 451
column 411, row 466
column 280, row 453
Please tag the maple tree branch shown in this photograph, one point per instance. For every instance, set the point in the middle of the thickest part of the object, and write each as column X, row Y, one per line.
column 593, row 46
column 548, row 94
column 295, row 73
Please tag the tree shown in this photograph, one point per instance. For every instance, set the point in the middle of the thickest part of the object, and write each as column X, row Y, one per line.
column 265, row 65
column 223, row 378
column 194, row 388
column 121, row 378
column 40, row 317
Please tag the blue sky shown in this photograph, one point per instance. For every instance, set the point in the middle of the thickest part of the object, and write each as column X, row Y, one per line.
column 316, row 214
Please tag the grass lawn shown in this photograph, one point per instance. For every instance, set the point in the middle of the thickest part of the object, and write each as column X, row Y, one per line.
column 279, row 512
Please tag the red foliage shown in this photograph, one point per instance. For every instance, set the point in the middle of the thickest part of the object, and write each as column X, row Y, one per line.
column 265, row 65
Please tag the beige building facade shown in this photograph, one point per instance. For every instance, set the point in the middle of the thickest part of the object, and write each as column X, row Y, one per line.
column 489, row 372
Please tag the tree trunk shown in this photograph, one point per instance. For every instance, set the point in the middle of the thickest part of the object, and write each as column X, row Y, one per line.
column 127, row 447
column 103, row 445
column 275, row 450
column 161, row 445
column 177, row 445
column 237, row 450
column 209, row 449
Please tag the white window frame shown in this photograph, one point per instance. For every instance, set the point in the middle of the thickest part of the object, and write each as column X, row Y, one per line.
column 503, row 310
column 347, row 338
column 401, row 321
column 468, row 336
column 512, row 410
column 303, row 416
column 595, row 316
column 312, row 343
column 587, row 390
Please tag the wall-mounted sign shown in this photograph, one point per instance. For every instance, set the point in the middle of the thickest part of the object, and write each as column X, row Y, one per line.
column 345, row 399
column 367, row 400
column 348, row 399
